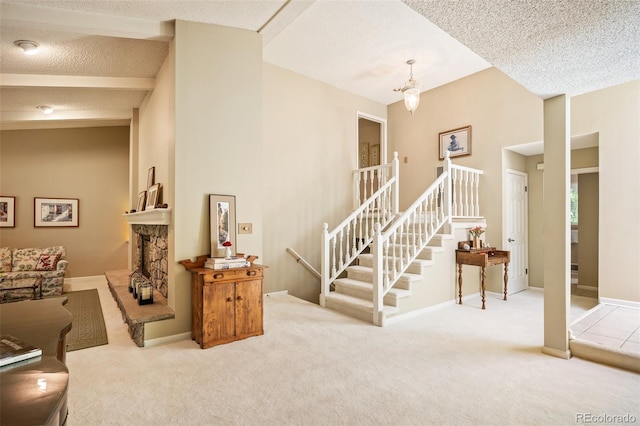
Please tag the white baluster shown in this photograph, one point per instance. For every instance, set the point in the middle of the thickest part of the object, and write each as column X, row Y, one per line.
column 454, row 191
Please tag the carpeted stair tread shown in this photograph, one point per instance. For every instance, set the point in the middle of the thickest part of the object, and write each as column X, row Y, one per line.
column 335, row 298
column 366, row 259
column 364, row 290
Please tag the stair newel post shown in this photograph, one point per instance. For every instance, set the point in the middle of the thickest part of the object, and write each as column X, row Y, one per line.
column 324, row 264
column 376, row 251
column 395, row 167
column 356, row 189
column 446, row 201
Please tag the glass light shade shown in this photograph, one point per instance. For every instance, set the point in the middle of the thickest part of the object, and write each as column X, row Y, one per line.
column 412, row 99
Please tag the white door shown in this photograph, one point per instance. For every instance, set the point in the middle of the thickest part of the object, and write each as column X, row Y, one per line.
column 515, row 233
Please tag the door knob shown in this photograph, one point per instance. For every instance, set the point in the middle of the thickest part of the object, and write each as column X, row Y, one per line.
column 511, row 240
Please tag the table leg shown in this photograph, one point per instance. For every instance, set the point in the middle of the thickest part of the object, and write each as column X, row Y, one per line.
column 506, row 278
column 460, row 283
column 484, row 276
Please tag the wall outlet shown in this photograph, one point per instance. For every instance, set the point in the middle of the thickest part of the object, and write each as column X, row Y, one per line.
column 245, row 228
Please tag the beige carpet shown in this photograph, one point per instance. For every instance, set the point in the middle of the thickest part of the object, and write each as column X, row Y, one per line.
column 458, row 365
column 88, row 328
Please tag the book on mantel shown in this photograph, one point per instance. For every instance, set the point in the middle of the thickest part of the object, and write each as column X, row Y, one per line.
column 226, row 263
column 14, row 350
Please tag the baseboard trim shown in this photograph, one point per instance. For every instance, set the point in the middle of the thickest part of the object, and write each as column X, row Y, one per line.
column 587, row 287
column 277, row 293
column 167, row 339
column 81, row 279
column 556, row 352
column 619, row 302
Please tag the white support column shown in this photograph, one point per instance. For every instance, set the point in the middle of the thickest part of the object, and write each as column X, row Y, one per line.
column 557, row 228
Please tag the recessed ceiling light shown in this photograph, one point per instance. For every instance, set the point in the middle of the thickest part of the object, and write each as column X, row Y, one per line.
column 29, row 47
column 46, row 109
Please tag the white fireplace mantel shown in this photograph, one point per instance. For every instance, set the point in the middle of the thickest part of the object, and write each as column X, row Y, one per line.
column 150, row 217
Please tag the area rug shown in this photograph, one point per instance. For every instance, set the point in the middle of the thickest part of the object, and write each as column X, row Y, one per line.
column 88, row 327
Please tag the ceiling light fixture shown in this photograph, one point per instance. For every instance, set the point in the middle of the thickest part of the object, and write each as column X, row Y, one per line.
column 411, row 91
column 46, row 109
column 29, row 47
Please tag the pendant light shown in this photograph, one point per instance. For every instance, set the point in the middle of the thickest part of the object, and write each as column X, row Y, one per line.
column 411, row 91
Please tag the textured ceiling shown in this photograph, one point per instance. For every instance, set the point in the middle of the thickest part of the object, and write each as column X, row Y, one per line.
column 113, row 48
column 550, row 47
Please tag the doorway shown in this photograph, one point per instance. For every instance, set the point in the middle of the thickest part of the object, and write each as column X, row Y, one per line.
column 371, row 140
column 516, row 229
column 584, row 231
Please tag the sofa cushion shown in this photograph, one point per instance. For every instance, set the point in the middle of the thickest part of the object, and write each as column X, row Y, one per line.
column 26, row 259
column 5, row 259
column 47, row 262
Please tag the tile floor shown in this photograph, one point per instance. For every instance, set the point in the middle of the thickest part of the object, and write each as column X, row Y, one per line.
column 617, row 327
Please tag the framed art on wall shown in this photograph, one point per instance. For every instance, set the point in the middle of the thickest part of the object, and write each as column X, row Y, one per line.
column 56, row 212
column 222, row 218
column 456, row 141
column 7, row 212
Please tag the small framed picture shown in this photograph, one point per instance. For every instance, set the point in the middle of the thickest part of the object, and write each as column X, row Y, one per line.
column 142, row 198
column 7, row 212
column 153, row 195
column 151, row 177
column 56, row 212
column 222, row 218
column 456, row 141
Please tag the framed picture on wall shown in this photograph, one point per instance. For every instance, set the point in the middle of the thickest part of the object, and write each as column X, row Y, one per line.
column 222, row 218
column 456, row 141
column 7, row 212
column 56, row 212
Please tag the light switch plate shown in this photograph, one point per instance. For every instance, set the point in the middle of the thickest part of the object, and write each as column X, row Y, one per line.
column 245, row 228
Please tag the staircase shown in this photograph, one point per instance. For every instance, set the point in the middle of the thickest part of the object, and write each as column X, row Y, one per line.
column 374, row 264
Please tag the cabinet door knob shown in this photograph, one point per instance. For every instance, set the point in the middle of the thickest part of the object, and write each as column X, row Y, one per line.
column 239, row 297
column 251, row 273
column 229, row 299
column 218, row 276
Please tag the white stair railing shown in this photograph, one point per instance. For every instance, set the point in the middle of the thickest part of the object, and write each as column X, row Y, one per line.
column 453, row 194
column 342, row 245
column 368, row 180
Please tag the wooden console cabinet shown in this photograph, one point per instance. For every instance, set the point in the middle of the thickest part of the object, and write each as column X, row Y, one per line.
column 226, row 304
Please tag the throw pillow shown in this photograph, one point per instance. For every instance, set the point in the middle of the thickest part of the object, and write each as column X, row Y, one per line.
column 47, row 262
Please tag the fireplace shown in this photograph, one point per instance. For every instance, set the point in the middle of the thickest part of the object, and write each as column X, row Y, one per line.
column 151, row 254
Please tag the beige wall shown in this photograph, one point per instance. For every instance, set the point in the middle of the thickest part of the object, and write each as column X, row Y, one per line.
column 613, row 114
column 588, row 216
column 501, row 112
column 310, row 149
column 89, row 164
column 203, row 129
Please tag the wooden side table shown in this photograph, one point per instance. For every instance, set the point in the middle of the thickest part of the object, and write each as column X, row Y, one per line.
column 483, row 257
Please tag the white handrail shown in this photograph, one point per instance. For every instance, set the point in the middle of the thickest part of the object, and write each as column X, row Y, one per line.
column 345, row 242
column 453, row 194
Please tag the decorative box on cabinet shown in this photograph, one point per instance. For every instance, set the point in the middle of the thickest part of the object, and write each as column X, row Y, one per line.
column 226, row 305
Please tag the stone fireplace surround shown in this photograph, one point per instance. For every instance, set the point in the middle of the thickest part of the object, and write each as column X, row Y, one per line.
column 151, row 254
